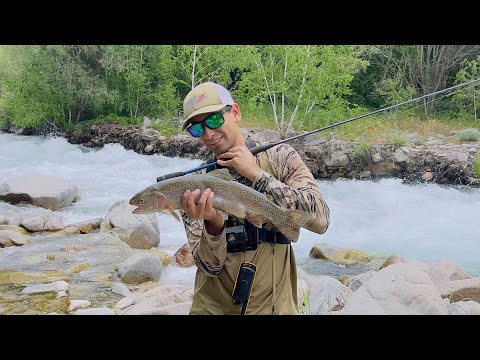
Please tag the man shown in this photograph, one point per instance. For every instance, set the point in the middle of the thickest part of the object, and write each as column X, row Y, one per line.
column 220, row 247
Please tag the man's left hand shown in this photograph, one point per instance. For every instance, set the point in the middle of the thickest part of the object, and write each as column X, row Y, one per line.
column 242, row 160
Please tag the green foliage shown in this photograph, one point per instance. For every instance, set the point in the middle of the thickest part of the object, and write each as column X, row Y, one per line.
column 394, row 92
column 299, row 81
column 305, row 303
column 396, row 137
column 476, row 166
column 70, row 84
column 199, row 63
column 361, row 150
column 166, row 128
column 82, row 127
column 143, row 79
column 466, row 99
column 469, row 134
column 285, row 87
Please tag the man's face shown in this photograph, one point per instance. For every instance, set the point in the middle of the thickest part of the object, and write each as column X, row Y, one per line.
column 226, row 136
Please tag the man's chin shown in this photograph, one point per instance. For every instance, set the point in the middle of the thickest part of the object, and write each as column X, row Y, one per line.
column 219, row 150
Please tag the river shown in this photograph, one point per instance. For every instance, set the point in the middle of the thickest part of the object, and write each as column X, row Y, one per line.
column 425, row 222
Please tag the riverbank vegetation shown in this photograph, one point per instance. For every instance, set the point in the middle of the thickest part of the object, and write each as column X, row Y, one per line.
column 281, row 87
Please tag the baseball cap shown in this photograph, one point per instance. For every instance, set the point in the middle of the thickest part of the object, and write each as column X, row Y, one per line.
column 207, row 97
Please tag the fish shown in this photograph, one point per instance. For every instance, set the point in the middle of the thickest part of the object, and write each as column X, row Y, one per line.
column 230, row 197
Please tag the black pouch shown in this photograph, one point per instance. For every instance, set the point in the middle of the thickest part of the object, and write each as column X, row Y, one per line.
column 243, row 284
column 237, row 240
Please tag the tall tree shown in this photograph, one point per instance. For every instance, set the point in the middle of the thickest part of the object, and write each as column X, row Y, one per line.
column 428, row 68
column 142, row 78
column 200, row 63
column 468, row 97
column 300, row 80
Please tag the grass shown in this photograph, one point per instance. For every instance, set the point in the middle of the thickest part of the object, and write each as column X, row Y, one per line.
column 469, row 134
column 378, row 129
column 360, row 150
column 304, row 306
column 476, row 166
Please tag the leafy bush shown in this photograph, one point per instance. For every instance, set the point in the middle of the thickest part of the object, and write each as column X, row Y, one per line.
column 469, row 134
column 360, row 150
column 166, row 128
column 396, row 137
column 476, row 166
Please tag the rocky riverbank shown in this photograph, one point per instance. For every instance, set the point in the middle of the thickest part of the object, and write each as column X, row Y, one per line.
column 113, row 264
column 434, row 161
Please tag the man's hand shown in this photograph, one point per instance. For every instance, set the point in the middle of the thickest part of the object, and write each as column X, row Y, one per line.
column 242, row 160
column 204, row 210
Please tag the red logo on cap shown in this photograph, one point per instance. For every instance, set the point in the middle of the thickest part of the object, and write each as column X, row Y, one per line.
column 202, row 97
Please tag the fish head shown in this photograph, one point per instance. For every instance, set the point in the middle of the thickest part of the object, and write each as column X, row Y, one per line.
column 149, row 201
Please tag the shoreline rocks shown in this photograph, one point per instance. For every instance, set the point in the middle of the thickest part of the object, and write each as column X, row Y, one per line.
column 434, row 161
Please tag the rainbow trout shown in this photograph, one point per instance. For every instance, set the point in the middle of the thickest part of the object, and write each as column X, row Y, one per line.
column 230, row 197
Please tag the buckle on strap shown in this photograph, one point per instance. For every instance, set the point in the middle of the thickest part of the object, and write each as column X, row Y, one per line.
column 263, row 235
column 235, row 229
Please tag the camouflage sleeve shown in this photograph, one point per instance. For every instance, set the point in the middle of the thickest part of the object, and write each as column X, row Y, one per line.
column 209, row 252
column 295, row 188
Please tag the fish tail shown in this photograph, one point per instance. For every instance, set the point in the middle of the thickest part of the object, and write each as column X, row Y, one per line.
column 295, row 219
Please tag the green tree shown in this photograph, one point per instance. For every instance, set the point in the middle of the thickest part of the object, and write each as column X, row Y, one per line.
column 142, row 79
column 427, row 68
column 29, row 96
column 217, row 63
column 467, row 98
column 300, row 82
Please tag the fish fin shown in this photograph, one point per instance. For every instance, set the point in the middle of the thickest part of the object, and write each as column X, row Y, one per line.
column 221, row 173
column 223, row 214
column 254, row 219
column 173, row 213
column 295, row 220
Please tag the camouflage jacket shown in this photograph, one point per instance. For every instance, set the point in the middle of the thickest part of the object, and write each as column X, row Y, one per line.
column 289, row 183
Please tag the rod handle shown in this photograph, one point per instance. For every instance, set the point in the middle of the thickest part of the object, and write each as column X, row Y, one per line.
column 169, row 176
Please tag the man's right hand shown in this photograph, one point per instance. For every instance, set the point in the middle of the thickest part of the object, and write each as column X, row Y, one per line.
column 204, row 210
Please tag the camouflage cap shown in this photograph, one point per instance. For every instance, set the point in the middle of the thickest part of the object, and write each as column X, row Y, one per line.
column 207, row 97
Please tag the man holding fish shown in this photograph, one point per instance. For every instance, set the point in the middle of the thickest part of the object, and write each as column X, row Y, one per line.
column 239, row 219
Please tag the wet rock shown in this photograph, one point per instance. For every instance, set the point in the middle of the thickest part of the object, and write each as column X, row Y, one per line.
column 339, row 255
column 183, row 256
column 140, row 268
column 40, row 190
column 52, row 287
column 393, row 259
column 395, row 290
column 78, row 304
column 464, row 308
column 35, row 223
column 138, row 231
column 12, row 238
column 121, row 289
column 95, row 311
column 18, row 229
column 427, row 176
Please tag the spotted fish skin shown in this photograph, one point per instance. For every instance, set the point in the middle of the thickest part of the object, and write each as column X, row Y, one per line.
column 230, row 197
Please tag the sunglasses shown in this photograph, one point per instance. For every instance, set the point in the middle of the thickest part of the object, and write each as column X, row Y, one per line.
column 214, row 121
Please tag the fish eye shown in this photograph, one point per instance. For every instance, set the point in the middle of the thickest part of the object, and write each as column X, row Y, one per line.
column 142, row 201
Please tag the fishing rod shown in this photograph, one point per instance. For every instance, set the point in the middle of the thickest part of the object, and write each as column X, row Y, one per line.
column 258, row 149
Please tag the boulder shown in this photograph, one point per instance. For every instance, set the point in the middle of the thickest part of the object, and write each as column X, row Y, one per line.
column 46, row 191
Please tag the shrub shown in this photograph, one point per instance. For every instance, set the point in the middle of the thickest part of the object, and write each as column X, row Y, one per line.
column 476, row 166
column 469, row 134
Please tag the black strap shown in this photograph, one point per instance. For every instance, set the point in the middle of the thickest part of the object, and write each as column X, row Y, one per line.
column 263, row 235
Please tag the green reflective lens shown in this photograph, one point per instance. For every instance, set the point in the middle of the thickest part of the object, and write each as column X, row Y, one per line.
column 214, row 121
